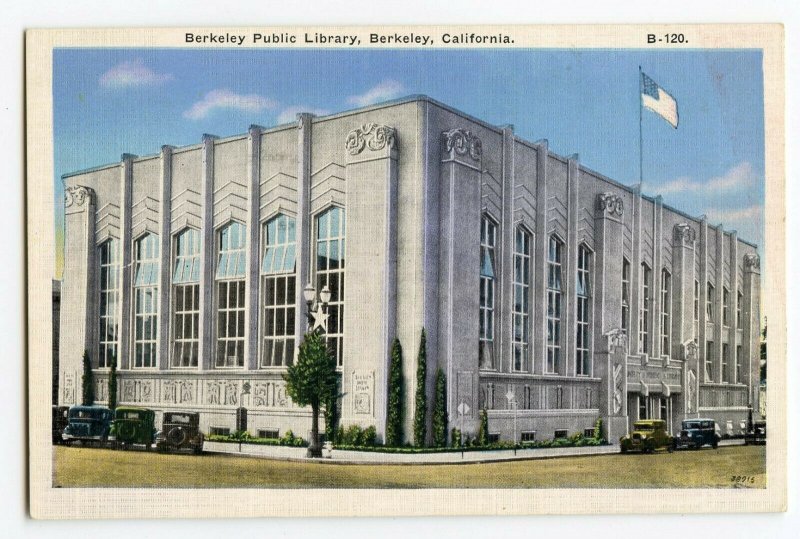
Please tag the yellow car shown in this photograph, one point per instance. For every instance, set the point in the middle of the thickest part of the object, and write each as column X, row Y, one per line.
column 648, row 435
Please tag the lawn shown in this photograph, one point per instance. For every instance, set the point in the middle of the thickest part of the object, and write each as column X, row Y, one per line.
column 89, row 467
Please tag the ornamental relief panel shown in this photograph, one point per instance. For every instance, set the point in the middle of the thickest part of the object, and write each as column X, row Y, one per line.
column 371, row 135
column 462, row 142
column 684, row 234
column 752, row 262
column 611, row 204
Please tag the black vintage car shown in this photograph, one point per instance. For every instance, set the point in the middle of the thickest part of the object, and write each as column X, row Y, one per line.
column 88, row 424
column 757, row 435
column 695, row 433
column 180, row 430
column 60, row 422
column 133, row 426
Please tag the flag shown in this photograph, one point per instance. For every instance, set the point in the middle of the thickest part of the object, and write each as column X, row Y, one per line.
column 655, row 98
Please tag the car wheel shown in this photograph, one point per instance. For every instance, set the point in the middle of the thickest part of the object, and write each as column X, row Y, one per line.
column 670, row 448
column 623, row 449
column 714, row 444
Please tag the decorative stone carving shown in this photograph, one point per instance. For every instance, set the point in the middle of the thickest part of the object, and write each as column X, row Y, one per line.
column 690, row 350
column 610, row 203
column 187, row 391
column 752, row 262
column 644, row 389
column 169, row 391
column 230, row 393
column 363, row 392
column 128, row 391
column 77, row 195
column 213, row 393
column 617, row 340
column 691, row 381
column 619, row 389
column 147, row 391
column 463, row 142
column 279, row 394
column 260, row 395
column 69, row 389
column 684, row 234
column 101, row 389
column 373, row 136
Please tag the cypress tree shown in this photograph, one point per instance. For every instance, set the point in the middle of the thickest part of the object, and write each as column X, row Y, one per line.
column 483, row 429
column 112, row 383
column 421, row 401
column 87, row 380
column 440, row 411
column 394, row 412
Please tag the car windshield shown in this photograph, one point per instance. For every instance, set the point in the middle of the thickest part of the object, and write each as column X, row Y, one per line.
column 691, row 425
column 179, row 418
column 643, row 426
column 129, row 415
column 84, row 414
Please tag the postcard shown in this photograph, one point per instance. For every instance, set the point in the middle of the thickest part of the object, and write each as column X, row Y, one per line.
column 355, row 271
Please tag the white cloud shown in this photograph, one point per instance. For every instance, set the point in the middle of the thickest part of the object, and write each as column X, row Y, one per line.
column 226, row 99
column 133, row 73
column 289, row 114
column 737, row 177
column 385, row 90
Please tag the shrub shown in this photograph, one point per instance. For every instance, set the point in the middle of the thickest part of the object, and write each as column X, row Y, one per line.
column 598, row 429
column 483, row 428
column 440, row 411
column 112, row 383
column 241, row 436
column 87, row 380
column 421, row 398
column 368, row 436
column 394, row 412
column 455, row 437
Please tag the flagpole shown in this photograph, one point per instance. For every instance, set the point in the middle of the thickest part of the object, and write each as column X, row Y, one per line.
column 641, row 173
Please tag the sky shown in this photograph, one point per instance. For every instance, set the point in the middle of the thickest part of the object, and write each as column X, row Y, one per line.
column 108, row 102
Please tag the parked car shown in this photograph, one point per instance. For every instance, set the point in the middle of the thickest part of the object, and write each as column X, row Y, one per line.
column 695, row 433
column 180, row 430
column 88, row 424
column 648, row 435
column 133, row 426
column 758, row 435
column 59, row 423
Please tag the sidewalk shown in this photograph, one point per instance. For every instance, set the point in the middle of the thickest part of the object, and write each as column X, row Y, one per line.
column 454, row 457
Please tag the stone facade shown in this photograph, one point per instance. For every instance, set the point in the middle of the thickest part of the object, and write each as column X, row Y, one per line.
column 519, row 264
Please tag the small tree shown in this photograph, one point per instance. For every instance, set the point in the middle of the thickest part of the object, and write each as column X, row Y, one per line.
column 483, row 428
column 440, row 411
column 332, row 413
column 394, row 412
column 421, row 400
column 763, row 354
column 112, row 383
column 312, row 382
column 87, row 380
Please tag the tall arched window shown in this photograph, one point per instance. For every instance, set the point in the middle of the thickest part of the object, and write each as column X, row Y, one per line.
column 231, row 262
column 330, row 272
column 554, row 287
column 109, row 298
column 145, row 296
column 278, row 289
column 522, row 286
column 583, row 296
column 626, row 295
column 186, row 299
column 487, row 285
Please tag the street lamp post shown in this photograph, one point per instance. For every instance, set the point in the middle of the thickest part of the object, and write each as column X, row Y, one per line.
column 317, row 311
column 317, row 315
column 512, row 403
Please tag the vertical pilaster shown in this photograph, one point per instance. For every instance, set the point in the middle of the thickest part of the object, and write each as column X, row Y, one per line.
column 207, row 256
column 752, row 325
column 126, row 252
column 568, row 366
column 165, row 239
column 609, row 342
column 78, row 295
column 459, row 259
column 682, row 333
column 303, row 223
column 703, row 314
column 371, row 293
column 505, row 320
column 539, row 355
column 252, row 246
